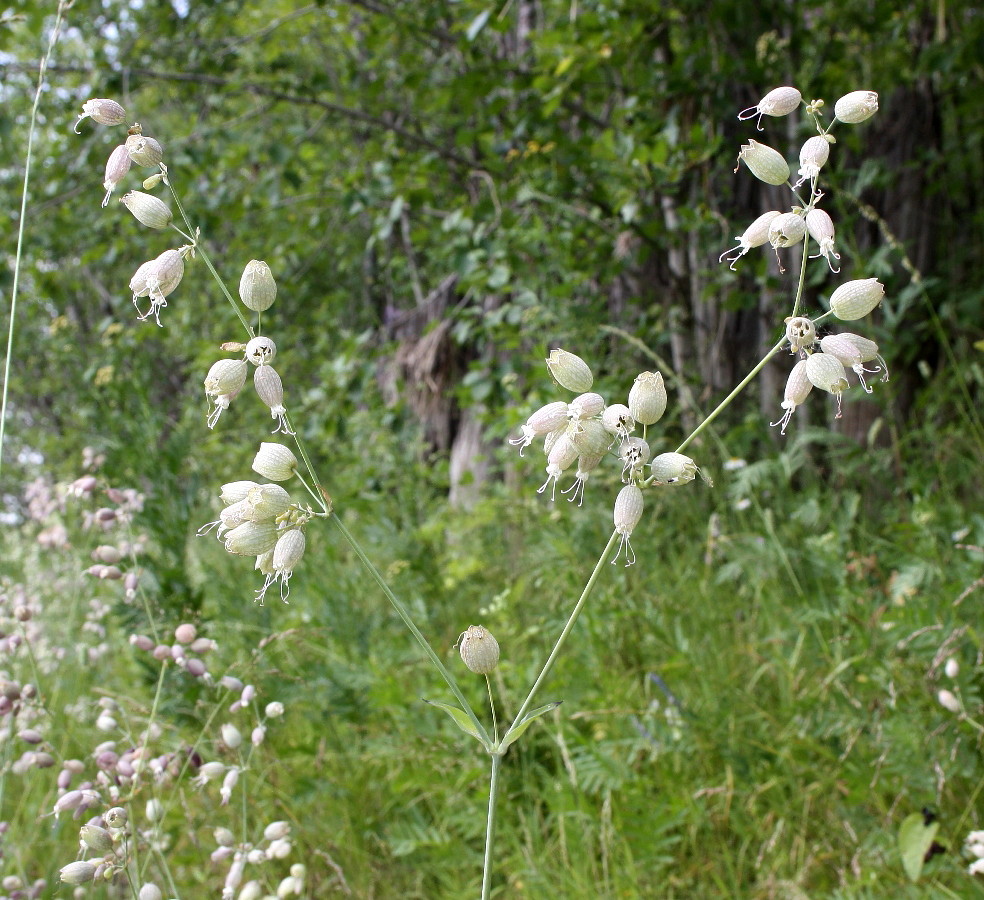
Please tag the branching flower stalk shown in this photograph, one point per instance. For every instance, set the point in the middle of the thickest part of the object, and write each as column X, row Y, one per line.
column 262, row 521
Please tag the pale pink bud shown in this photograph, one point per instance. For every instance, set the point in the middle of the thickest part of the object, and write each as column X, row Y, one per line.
column 821, row 228
column 856, row 106
column 786, row 229
column 30, row 736
column 106, row 554
column 102, row 112
column 647, row 398
column 479, row 650
column 261, row 351
column 801, row 333
column 813, row 154
column 257, row 288
column 780, row 101
column 629, row 505
column 117, row 166
column 275, row 461
column 855, row 299
column 185, row 633
column 545, row 420
column 147, row 209
column 764, row 163
column 570, row 371
column 270, row 390
column 196, row 668
column 143, row 150
column 754, row 236
column 257, row 735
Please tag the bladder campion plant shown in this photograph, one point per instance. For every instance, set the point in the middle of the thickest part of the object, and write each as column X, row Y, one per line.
column 579, row 432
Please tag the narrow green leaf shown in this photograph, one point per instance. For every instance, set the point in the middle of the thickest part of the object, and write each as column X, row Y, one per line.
column 915, row 839
column 477, row 24
column 460, row 717
column 516, row 732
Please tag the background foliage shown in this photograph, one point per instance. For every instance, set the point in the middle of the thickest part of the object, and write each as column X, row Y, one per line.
column 444, row 190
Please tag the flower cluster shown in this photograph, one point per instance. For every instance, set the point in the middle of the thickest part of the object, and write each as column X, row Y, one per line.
column 261, row 520
column 824, row 361
column 587, row 429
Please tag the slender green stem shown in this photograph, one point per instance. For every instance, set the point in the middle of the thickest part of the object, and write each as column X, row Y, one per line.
column 490, row 826
column 495, row 726
column 802, row 278
column 552, row 658
column 414, row 630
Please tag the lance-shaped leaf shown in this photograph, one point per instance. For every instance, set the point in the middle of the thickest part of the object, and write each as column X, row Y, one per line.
column 516, row 732
column 915, row 839
column 461, row 719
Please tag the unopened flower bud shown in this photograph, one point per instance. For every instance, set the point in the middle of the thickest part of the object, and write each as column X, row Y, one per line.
column 827, row 373
column 257, row 288
column 261, row 351
column 780, row 101
column 143, row 150
column 647, row 398
column 629, row 505
column 479, row 650
column 786, row 229
column 813, row 154
column 150, row 891
column 274, row 709
column 801, row 333
column 952, row 668
column 154, row 810
column 275, row 831
column 948, row 700
column 764, row 163
column 674, row 468
column 231, row 736
column 117, row 166
column 856, row 107
column 754, row 236
column 855, row 299
column 80, row 872
column 570, row 371
column 102, row 111
column 270, row 390
column 96, row 838
column 147, row 209
column 821, row 229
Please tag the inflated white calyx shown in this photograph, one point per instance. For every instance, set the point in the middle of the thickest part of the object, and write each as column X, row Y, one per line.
column 764, row 163
column 647, row 398
column 856, row 106
column 257, row 287
column 821, row 228
column 855, row 299
column 798, row 387
column 275, row 461
column 570, row 371
column 545, row 420
column 629, row 505
column 828, row 373
column 801, row 333
column 780, row 101
column 561, row 457
column 674, row 468
column 854, row 351
column 479, row 650
column 754, row 236
column 225, row 379
column 270, row 390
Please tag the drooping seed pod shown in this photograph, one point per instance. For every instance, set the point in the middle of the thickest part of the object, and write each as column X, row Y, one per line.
column 780, row 101
column 251, row 538
column 856, row 106
column 562, row 456
column 479, row 650
column 270, row 390
column 102, row 111
column 147, row 209
column 546, row 419
column 144, row 151
column 629, row 505
column 786, row 229
column 618, row 421
column 570, row 371
column 275, row 461
column 821, row 228
column 117, row 166
column 813, row 154
column 754, row 236
column 224, row 380
column 845, row 347
column 764, row 163
column 257, row 287
column 674, row 468
column 585, row 406
column 261, row 351
column 855, row 299
column 647, row 398
column 801, row 333
column 948, row 700
column 798, row 387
